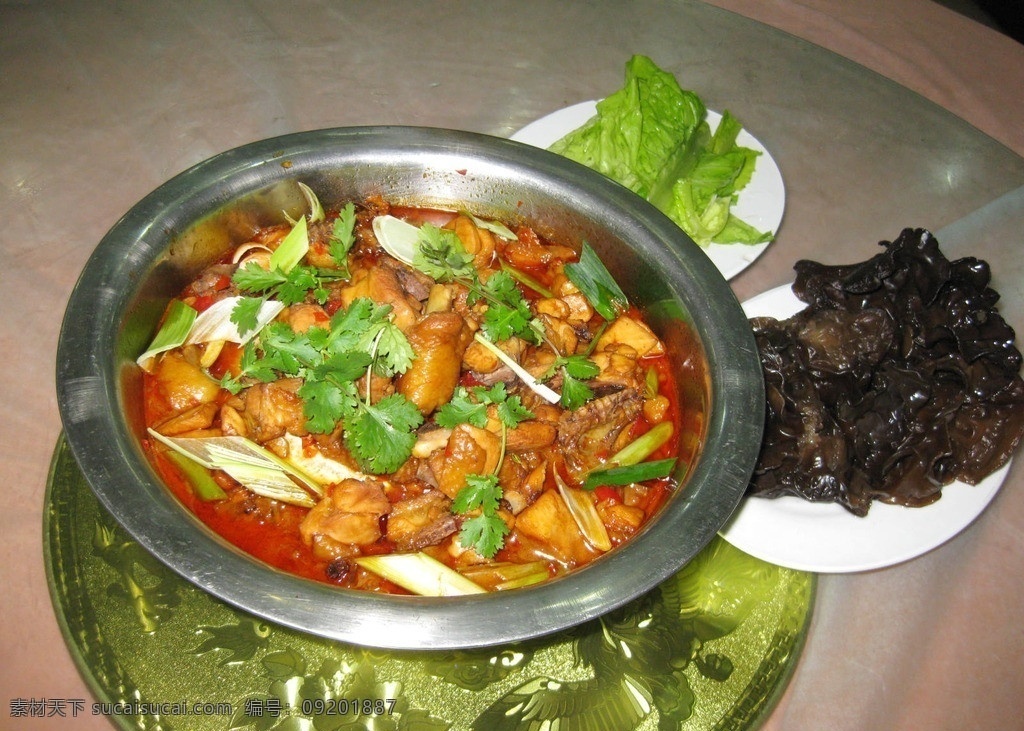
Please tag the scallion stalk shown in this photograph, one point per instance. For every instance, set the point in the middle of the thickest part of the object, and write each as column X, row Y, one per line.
column 526, row 280
column 199, row 478
column 585, row 514
column 597, row 284
column 419, row 573
column 255, row 468
column 539, row 388
column 644, row 445
column 628, row 474
column 292, row 248
column 175, row 329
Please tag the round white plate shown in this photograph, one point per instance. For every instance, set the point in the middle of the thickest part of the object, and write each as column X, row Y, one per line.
column 761, row 203
column 825, row 537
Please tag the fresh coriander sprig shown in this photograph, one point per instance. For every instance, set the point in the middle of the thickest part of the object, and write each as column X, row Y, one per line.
column 486, row 531
column 343, row 237
column 441, row 255
column 360, row 341
column 575, row 369
column 289, row 288
column 286, row 279
column 469, row 406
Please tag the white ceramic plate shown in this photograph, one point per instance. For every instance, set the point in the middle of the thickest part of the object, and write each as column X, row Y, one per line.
column 825, row 537
column 761, row 203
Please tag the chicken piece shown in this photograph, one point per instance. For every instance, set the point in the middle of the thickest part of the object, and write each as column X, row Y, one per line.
column 303, row 316
column 439, row 341
column 470, row 451
column 591, row 433
column 349, row 513
column 629, row 331
column 231, row 422
column 481, row 360
column 580, row 309
column 214, row 279
column 530, row 435
column 429, row 439
column 553, row 307
column 424, row 520
column 549, row 522
column 273, row 409
column 524, row 488
column 439, row 299
column 619, row 367
column 194, row 419
column 381, row 284
column 477, row 241
column 528, row 251
column 319, row 236
column 560, row 334
column 414, row 283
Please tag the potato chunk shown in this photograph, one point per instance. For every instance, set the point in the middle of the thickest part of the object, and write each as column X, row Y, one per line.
column 184, row 383
column 629, row 331
column 548, row 521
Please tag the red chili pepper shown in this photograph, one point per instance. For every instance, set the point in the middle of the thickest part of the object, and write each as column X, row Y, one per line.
column 656, row 496
column 607, row 492
column 203, row 302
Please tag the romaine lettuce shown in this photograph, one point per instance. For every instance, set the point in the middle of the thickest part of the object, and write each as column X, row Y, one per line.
column 652, row 137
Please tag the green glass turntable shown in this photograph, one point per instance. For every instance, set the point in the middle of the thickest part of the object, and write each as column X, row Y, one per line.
column 711, row 648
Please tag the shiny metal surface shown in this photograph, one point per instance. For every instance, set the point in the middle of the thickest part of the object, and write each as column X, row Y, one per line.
column 187, row 222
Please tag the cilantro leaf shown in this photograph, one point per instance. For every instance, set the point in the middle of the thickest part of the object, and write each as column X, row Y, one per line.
column 508, row 313
column 510, row 408
column 470, row 407
column 342, row 236
column 496, row 394
column 580, row 366
column 381, row 436
column 575, row 392
column 501, row 287
column 484, row 533
column 502, row 321
column 349, row 326
column 253, row 278
column 325, row 403
column 297, row 283
column 290, row 288
column 512, row 411
column 394, row 353
column 441, row 255
column 341, row 367
column 482, row 492
column 286, row 350
column 245, row 314
column 574, row 369
column 461, row 409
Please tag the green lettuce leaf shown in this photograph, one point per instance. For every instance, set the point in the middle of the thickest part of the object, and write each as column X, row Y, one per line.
column 652, row 137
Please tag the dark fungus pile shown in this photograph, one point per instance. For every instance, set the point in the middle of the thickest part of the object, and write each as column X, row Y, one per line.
column 898, row 378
